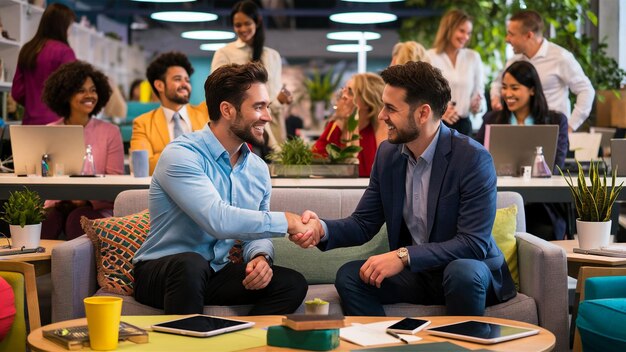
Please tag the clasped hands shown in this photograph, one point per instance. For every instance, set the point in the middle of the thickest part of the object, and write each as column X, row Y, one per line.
column 304, row 230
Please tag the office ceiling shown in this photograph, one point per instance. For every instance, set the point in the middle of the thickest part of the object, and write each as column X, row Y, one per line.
column 296, row 28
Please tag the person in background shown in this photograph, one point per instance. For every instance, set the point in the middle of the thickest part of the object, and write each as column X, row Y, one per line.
column 135, row 90
column 404, row 52
column 363, row 92
column 209, row 191
column 77, row 92
column 462, row 67
column 169, row 76
column 249, row 47
column 524, row 103
column 38, row 58
column 559, row 71
column 435, row 190
column 7, row 308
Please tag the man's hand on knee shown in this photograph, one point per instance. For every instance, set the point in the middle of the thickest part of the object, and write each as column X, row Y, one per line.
column 258, row 274
column 379, row 267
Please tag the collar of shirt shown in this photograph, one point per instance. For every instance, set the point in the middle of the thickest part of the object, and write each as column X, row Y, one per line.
column 529, row 120
column 240, row 44
column 169, row 115
column 543, row 50
column 428, row 154
column 218, row 151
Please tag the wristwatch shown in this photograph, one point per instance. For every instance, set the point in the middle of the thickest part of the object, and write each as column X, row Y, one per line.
column 403, row 254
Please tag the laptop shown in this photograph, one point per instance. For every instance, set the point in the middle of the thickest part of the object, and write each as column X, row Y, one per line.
column 618, row 156
column 514, row 146
column 65, row 145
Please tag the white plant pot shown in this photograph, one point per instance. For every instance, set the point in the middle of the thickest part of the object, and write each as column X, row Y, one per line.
column 593, row 234
column 28, row 236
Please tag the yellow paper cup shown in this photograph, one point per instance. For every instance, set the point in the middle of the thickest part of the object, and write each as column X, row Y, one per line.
column 103, row 321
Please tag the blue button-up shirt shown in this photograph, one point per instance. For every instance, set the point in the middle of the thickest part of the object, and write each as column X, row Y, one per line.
column 199, row 203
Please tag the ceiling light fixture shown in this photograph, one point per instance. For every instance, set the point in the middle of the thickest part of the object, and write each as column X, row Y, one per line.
column 208, row 35
column 353, row 35
column 183, row 16
column 348, row 48
column 212, row 46
column 363, row 17
column 164, row 1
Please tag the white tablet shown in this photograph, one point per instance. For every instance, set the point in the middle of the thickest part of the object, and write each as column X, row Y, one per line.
column 481, row 332
column 201, row 325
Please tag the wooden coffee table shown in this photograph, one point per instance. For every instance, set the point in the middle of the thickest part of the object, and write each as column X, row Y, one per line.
column 41, row 261
column 544, row 341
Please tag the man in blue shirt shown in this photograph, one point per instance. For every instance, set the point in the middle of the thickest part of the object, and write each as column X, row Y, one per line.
column 208, row 190
column 436, row 191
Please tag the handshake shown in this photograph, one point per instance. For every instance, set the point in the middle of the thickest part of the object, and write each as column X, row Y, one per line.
column 304, row 230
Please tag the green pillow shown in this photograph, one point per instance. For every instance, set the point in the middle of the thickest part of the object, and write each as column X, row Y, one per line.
column 504, row 233
column 321, row 267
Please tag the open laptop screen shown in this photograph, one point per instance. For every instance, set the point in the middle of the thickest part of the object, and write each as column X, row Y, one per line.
column 65, row 146
column 514, row 146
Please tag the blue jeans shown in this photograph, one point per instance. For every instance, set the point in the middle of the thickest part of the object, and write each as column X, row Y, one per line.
column 464, row 287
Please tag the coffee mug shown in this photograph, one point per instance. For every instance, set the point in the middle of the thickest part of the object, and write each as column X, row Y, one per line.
column 140, row 163
column 103, row 321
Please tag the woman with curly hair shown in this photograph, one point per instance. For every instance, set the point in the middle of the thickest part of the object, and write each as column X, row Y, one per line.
column 38, row 58
column 77, row 92
column 363, row 92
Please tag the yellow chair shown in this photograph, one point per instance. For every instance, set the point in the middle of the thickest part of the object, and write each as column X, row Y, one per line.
column 21, row 277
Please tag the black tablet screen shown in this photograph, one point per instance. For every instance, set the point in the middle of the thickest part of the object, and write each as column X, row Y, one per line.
column 481, row 330
column 200, row 324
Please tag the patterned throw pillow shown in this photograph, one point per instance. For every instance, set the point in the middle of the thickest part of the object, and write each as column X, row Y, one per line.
column 115, row 242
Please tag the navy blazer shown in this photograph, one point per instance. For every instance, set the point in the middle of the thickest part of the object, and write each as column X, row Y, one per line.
column 562, row 144
column 460, row 213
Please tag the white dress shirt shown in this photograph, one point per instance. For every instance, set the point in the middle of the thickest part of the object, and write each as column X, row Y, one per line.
column 466, row 78
column 239, row 52
column 559, row 73
column 169, row 118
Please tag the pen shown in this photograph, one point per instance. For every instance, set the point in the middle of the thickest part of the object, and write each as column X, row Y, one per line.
column 397, row 336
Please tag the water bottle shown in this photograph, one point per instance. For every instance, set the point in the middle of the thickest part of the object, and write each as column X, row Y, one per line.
column 45, row 166
column 89, row 168
column 540, row 168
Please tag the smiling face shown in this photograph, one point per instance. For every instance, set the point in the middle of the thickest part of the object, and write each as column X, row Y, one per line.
column 85, row 99
column 252, row 116
column 517, row 37
column 461, row 35
column 176, row 87
column 245, row 27
column 516, row 95
column 398, row 116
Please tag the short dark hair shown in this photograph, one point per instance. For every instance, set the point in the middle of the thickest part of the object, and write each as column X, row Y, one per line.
column 531, row 21
column 423, row 84
column 230, row 83
column 67, row 80
column 157, row 68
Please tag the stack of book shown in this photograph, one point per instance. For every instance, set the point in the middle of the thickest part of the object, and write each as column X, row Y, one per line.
column 307, row 331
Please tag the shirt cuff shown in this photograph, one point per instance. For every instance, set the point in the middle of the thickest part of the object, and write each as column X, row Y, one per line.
column 325, row 227
column 276, row 222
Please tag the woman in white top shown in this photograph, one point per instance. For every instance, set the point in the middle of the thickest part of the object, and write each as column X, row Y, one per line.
column 249, row 46
column 462, row 68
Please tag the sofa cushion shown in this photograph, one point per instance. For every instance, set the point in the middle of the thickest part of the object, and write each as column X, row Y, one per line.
column 115, row 241
column 321, row 267
column 504, row 233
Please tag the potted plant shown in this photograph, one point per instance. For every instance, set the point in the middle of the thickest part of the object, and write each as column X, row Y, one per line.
column 23, row 211
column 321, row 88
column 593, row 205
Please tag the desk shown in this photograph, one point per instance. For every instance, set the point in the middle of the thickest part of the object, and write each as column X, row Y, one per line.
column 41, row 261
column 544, row 341
column 552, row 189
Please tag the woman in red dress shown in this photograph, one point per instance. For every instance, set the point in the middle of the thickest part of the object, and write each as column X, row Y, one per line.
column 363, row 92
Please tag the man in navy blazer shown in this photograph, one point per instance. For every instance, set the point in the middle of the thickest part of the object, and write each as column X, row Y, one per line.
column 439, row 208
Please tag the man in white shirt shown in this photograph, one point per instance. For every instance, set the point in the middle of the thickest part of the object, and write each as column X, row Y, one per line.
column 168, row 75
column 558, row 69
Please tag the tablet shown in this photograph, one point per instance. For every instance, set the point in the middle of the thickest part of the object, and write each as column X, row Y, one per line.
column 201, row 325
column 481, row 332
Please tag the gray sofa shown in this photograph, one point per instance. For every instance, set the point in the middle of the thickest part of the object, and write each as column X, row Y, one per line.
column 542, row 299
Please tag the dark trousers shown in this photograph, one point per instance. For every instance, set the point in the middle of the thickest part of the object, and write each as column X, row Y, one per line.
column 463, row 125
column 184, row 283
column 464, row 287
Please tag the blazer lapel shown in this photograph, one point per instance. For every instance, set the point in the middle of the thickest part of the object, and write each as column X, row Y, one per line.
column 398, row 191
column 438, row 171
column 161, row 125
